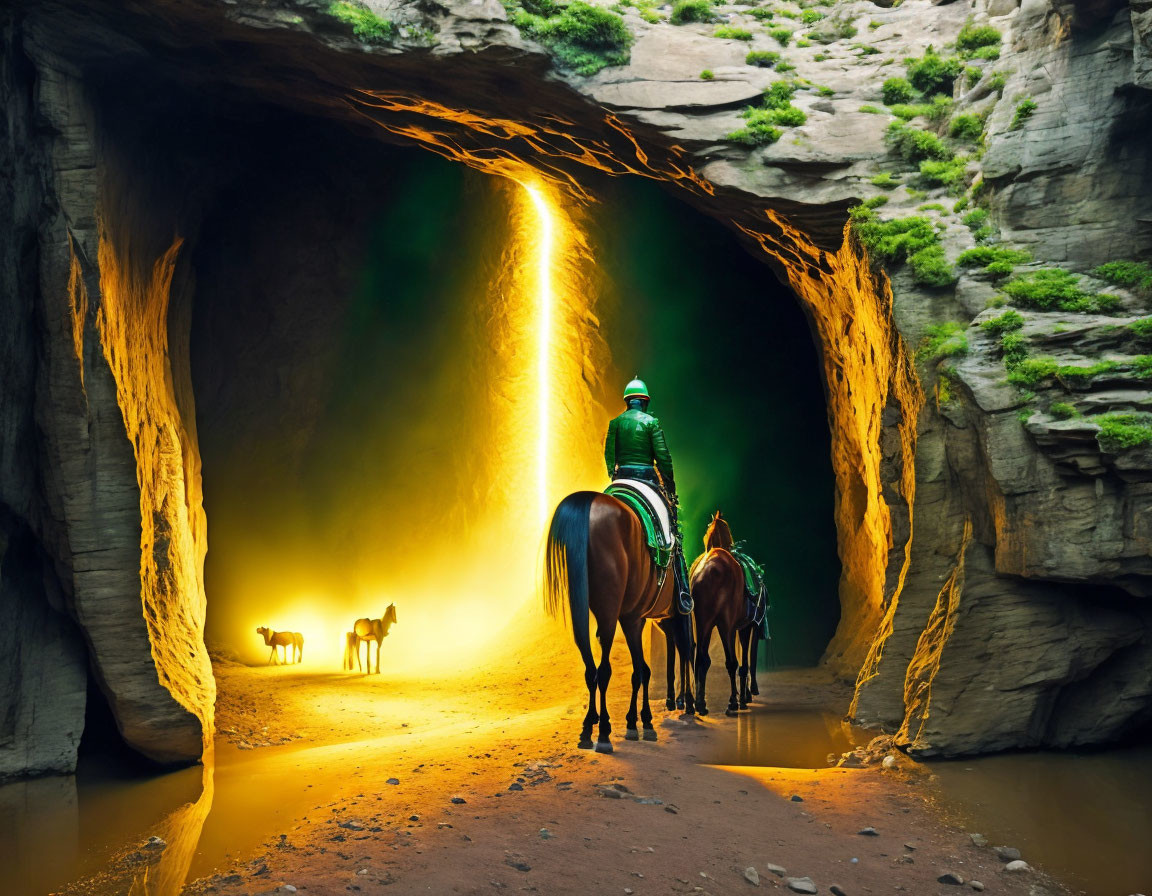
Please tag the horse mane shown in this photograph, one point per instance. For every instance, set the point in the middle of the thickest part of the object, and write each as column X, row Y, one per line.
column 718, row 534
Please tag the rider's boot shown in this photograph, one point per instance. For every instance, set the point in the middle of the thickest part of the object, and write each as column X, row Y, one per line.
column 680, row 574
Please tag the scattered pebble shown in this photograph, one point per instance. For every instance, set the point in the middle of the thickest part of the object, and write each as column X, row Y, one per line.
column 801, row 885
column 778, row 870
column 889, row 762
column 517, row 864
column 515, row 786
column 976, row 885
column 796, row 798
column 751, row 875
column 545, row 834
column 458, row 800
column 951, row 877
column 837, row 890
column 1018, row 865
column 155, row 843
column 392, row 781
column 978, row 839
column 869, row 832
column 1007, row 853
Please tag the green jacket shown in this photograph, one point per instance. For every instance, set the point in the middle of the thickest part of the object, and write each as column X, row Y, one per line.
column 636, row 439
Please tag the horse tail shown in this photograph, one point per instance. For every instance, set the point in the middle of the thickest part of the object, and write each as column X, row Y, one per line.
column 566, row 564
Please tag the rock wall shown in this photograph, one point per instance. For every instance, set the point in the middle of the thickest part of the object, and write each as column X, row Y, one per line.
column 995, row 571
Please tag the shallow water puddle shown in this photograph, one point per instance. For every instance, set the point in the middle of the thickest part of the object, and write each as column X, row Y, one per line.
column 205, row 814
column 1084, row 817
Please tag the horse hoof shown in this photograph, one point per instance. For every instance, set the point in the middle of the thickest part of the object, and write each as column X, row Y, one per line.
column 603, row 746
column 701, row 710
column 743, row 705
column 679, row 704
column 649, row 734
column 669, row 704
column 631, row 734
column 585, row 744
column 755, row 692
column 731, row 712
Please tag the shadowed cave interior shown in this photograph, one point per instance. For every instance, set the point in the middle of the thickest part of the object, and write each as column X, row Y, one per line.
column 338, row 378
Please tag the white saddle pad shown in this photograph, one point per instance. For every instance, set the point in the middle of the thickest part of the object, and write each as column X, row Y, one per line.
column 654, row 500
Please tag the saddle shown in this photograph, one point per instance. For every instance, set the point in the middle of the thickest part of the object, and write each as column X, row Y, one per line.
column 649, row 506
column 755, row 591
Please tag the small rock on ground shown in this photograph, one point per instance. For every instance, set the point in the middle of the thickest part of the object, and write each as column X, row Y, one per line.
column 837, row 890
column 978, row 839
column 778, row 870
column 976, row 885
column 1018, row 865
column 951, row 877
column 751, row 875
column 1007, row 853
column 801, row 885
column 869, row 832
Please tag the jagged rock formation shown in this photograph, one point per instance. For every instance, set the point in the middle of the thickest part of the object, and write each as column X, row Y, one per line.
column 995, row 572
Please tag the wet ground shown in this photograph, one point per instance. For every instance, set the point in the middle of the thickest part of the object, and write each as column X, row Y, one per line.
column 359, row 788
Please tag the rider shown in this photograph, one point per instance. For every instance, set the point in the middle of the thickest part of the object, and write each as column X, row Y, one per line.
column 635, row 448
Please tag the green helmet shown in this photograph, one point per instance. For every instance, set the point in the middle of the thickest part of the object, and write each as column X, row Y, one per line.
column 636, row 389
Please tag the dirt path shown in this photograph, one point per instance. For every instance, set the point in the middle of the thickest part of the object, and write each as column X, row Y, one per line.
column 474, row 785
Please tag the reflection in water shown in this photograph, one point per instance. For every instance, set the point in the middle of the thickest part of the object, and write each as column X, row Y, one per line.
column 182, row 831
column 81, row 821
column 1084, row 817
column 782, row 738
column 34, row 815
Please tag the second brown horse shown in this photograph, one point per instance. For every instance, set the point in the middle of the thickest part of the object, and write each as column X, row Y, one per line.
column 718, row 595
column 598, row 559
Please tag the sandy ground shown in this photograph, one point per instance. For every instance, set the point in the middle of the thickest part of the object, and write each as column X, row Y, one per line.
column 473, row 784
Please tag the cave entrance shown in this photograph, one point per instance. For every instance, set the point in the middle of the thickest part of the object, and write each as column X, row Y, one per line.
column 366, row 416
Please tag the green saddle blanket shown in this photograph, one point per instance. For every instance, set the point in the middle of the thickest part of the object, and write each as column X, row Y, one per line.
column 757, row 593
column 659, row 545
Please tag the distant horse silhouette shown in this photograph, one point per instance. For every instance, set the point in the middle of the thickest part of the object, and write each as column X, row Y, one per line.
column 283, row 640
column 718, row 590
column 369, row 630
column 597, row 561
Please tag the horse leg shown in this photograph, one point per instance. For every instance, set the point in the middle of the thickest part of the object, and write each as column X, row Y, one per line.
column 728, row 639
column 687, row 648
column 754, row 688
column 270, row 656
column 379, row 644
column 633, row 634
column 670, row 650
column 745, row 652
column 591, row 717
column 703, row 661
column 603, row 676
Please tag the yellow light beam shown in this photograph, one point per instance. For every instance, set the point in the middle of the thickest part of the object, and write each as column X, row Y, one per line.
column 544, row 303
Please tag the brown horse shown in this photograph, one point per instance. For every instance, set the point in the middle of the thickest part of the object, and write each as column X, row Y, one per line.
column 598, row 558
column 284, row 641
column 717, row 582
column 369, row 630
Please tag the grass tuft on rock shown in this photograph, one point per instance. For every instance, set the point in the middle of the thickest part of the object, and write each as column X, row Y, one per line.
column 916, row 145
column 897, row 90
column 1119, row 432
column 582, row 38
column 781, row 35
column 976, row 37
column 762, row 58
column 913, row 240
column 1024, row 110
column 366, row 25
column 946, row 340
column 685, row 11
column 1061, row 410
column 949, row 173
column 727, row 32
column 1132, row 274
column 966, row 127
column 1054, row 289
column 1007, row 322
column 932, row 73
column 993, row 259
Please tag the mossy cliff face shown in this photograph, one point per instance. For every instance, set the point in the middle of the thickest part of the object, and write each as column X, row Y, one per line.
column 995, row 571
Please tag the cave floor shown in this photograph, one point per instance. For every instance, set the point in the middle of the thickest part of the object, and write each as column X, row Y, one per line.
column 342, row 782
